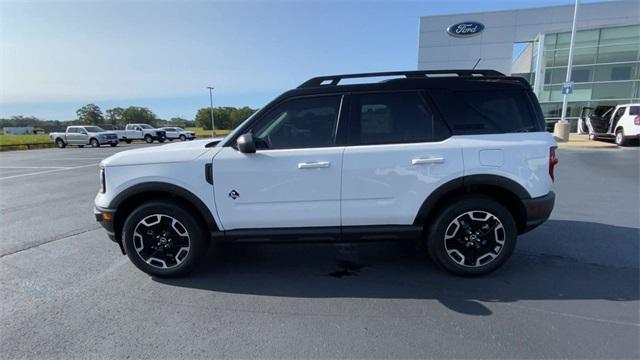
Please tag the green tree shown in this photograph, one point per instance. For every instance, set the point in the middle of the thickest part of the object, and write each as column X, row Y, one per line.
column 137, row 114
column 115, row 116
column 90, row 114
column 180, row 122
column 226, row 118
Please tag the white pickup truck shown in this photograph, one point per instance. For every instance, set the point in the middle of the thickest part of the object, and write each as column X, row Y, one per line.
column 141, row 132
column 84, row 135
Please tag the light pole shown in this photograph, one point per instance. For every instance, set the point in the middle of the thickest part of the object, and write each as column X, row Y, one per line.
column 213, row 126
column 561, row 129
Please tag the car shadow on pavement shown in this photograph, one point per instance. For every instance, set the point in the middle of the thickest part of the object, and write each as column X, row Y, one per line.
column 403, row 271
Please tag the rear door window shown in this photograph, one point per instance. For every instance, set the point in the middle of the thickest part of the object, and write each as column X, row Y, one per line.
column 393, row 118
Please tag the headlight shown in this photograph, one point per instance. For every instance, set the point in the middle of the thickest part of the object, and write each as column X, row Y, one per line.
column 103, row 181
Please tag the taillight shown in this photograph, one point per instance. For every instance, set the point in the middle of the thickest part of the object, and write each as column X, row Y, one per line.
column 553, row 161
column 637, row 120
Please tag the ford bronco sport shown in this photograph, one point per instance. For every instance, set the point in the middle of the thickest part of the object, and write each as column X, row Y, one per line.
column 457, row 159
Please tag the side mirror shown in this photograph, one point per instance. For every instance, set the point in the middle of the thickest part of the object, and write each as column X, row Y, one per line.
column 246, row 144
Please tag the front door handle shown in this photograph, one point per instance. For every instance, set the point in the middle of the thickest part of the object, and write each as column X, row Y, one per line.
column 430, row 160
column 314, row 165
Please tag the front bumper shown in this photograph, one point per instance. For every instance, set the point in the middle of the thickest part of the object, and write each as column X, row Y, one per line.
column 538, row 210
column 104, row 141
column 105, row 218
column 160, row 135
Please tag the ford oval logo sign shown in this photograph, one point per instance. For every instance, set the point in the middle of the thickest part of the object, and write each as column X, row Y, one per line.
column 465, row 29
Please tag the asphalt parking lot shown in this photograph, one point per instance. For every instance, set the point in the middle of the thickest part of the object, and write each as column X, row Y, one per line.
column 571, row 289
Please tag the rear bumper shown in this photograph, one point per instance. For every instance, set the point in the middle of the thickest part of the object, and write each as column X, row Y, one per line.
column 538, row 210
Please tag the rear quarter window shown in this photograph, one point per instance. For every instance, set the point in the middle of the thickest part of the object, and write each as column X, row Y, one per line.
column 489, row 112
column 634, row 110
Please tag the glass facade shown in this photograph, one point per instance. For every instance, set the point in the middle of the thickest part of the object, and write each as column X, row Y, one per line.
column 606, row 69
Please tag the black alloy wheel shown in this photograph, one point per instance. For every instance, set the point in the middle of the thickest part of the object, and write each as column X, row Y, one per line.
column 164, row 239
column 474, row 235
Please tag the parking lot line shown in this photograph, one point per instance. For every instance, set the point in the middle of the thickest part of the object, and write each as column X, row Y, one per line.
column 34, row 167
column 47, row 171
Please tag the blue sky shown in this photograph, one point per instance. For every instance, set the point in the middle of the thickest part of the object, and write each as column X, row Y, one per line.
column 58, row 56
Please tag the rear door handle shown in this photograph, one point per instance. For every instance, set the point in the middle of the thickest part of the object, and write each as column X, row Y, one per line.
column 314, row 165
column 430, row 160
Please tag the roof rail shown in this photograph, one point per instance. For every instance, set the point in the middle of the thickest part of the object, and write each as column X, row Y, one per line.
column 335, row 79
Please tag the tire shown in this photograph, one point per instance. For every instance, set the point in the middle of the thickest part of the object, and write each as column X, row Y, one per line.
column 161, row 140
column 449, row 246
column 149, row 229
column 113, row 144
column 81, row 146
column 127, row 141
column 620, row 138
column 148, row 139
column 592, row 136
column 60, row 143
column 183, row 138
column 94, row 143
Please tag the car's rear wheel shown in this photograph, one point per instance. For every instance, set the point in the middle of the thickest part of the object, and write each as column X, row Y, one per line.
column 183, row 138
column 60, row 143
column 620, row 138
column 148, row 139
column 94, row 143
column 164, row 239
column 474, row 235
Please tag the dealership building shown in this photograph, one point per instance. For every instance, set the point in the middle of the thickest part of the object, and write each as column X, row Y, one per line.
column 534, row 43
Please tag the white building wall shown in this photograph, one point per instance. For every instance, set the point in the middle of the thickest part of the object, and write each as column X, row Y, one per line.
column 439, row 50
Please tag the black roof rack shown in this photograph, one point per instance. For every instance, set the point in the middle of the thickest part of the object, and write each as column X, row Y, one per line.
column 335, row 79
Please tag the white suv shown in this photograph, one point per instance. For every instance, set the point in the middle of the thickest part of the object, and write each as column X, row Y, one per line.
column 458, row 160
column 622, row 123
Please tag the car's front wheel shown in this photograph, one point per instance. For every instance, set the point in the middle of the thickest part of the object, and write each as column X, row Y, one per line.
column 473, row 235
column 183, row 138
column 60, row 143
column 113, row 144
column 148, row 139
column 164, row 239
column 94, row 143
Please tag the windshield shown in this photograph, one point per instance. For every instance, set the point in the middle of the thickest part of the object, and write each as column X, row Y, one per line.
column 145, row 126
column 93, row 129
column 179, row 129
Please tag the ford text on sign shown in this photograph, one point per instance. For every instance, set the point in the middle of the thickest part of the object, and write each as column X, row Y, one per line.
column 465, row 29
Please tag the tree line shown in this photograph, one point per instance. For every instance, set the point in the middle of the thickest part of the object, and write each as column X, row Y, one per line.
column 226, row 118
